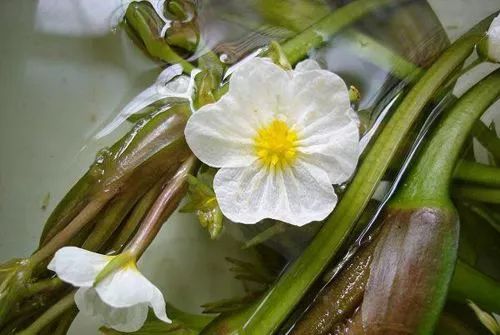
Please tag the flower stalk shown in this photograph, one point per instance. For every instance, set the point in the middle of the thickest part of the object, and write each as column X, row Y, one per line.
column 164, row 206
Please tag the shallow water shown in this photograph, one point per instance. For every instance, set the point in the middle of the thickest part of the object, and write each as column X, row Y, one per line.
column 63, row 75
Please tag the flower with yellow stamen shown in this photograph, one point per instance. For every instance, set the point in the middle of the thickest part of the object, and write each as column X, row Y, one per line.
column 281, row 140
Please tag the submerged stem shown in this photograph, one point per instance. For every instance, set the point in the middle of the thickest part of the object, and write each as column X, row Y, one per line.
column 50, row 315
column 164, row 205
column 136, row 216
column 59, row 240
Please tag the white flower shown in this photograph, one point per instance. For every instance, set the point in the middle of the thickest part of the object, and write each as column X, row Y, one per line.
column 493, row 46
column 120, row 300
column 281, row 139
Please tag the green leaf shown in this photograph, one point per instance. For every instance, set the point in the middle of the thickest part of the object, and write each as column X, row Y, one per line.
column 203, row 202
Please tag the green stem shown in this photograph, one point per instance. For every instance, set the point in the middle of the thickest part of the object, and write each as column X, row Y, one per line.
column 164, row 205
column 59, row 240
column 68, row 208
column 43, row 286
column 136, row 216
column 478, row 173
column 50, row 315
column 376, row 53
column 109, row 219
column 64, row 323
column 477, row 193
column 429, row 180
column 468, row 283
column 277, row 228
column 293, row 284
column 488, row 138
column 319, row 33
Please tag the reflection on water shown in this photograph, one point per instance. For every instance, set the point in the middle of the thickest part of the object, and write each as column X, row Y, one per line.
column 65, row 73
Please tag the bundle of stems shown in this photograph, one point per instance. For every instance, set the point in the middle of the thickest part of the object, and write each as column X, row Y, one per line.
column 133, row 187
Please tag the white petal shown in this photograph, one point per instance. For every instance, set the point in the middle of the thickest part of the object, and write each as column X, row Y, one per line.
column 261, row 87
column 316, row 93
column 332, row 143
column 494, row 40
column 128, row 287
column 307, row 65
column 77, row 266
column 298, row 194
column 128, row 319
column 221, row 134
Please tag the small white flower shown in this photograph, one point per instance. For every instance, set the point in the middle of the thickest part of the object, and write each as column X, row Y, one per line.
column 120, row 300
column 281, row 139
column 493, row 45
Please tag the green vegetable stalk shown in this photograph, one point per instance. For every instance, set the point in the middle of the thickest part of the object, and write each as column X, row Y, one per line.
column 415, row 259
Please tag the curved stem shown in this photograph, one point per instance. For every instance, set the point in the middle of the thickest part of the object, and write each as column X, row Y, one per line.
column 50, row 315
column 473, row 172
column 429, row 180
column 290, row 288
column 164, row 205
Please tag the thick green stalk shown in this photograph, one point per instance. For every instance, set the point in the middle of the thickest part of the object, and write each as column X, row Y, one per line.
column 429, row 180
column 287, row 292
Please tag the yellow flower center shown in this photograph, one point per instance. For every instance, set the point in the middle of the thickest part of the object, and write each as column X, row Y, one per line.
column 276, row 145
